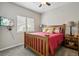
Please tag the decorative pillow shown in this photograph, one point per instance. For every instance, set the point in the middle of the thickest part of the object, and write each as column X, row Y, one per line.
column 45, row 29
column 50, row 30
column 57, row 30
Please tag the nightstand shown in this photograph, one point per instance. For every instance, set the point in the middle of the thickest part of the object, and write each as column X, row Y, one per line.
column 71, row 41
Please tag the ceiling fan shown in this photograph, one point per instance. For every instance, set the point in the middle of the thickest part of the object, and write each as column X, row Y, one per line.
column 45, row 3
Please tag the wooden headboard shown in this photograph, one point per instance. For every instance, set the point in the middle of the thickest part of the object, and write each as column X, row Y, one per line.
column 62, row 27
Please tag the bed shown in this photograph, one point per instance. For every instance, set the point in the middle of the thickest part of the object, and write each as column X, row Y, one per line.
column 45, row 43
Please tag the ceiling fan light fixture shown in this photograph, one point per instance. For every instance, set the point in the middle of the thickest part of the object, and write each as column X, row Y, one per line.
column 48, row 3
column 44, row 3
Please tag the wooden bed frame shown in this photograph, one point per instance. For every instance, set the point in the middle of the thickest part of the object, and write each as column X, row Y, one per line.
column 31, row 41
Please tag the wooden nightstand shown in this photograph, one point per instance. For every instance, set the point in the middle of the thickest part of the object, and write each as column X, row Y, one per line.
column 71, row 41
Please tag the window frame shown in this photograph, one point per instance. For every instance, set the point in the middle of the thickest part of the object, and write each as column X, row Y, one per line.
column 25, row 24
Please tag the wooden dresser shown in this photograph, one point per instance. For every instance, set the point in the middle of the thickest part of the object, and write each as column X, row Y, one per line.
column 71, row 41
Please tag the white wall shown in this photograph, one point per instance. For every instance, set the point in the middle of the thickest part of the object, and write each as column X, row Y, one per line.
column 61, row 15
column 11, row 11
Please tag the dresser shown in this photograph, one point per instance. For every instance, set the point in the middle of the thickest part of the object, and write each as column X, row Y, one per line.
column 71, row 41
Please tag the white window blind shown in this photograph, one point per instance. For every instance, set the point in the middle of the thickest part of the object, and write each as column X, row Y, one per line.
column 30, row 24
column 21, row 24
column 25, row 24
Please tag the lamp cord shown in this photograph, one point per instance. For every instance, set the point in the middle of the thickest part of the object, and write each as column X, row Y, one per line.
column 11, row 34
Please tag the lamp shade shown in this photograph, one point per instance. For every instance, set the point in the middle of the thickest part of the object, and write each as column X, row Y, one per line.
column 72, row 23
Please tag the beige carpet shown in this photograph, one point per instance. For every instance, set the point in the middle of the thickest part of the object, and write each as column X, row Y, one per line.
column 21, row 51
column 63, row 51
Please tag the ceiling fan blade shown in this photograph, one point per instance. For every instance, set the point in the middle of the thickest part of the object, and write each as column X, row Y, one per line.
column 48, row 3
column 40, row 5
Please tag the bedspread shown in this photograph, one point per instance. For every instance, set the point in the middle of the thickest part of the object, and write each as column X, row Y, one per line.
column 54, row 40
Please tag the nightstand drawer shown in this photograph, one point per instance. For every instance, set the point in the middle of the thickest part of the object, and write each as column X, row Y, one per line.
column 71, row 42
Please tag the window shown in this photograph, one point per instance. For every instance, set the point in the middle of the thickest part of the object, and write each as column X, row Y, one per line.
column 30, row 24
column 21, row 24
column 25, row 24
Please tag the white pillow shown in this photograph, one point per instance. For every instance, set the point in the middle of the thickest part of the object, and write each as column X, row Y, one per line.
column 57, row 30
column 45, row 29
column 50, row 30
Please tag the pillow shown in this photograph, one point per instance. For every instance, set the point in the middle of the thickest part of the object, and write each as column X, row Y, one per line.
column 50, row 30
column 45, row 29
column 57, row 30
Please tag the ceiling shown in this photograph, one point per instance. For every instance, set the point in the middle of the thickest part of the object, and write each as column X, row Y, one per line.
column 34, row 6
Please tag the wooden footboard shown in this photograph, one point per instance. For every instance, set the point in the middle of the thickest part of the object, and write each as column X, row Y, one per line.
column 38, row 44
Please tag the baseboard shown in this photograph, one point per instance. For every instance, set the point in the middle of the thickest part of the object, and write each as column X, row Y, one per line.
column 11, row 47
